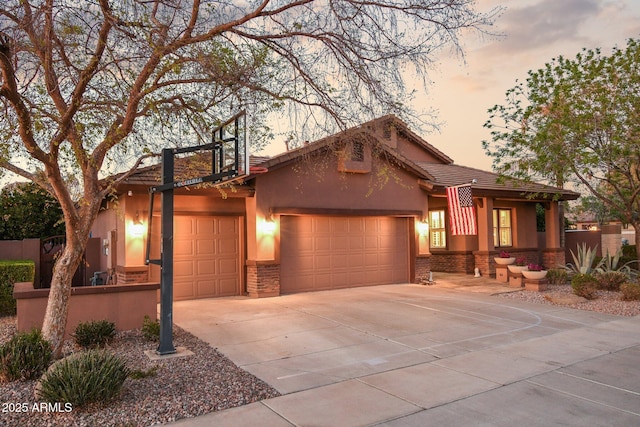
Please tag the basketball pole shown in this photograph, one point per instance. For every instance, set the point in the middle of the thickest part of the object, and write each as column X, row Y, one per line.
column 221, row 173
column 166, row 278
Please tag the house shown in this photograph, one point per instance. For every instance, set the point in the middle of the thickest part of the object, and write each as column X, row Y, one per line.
column 367, row 206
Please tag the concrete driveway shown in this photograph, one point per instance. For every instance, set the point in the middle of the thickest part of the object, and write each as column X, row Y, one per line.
column 411, row 355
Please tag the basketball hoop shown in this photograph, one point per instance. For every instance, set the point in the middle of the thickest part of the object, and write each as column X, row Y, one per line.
column 229, row 162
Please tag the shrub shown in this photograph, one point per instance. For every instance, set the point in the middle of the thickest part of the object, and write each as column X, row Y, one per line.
column 628, row 251
column 25, row 356
column 94, row 334
column 83, row 378
column 151, row 329
column 557, row 276
column 610, row 280
column 630, row 291
column 13, row 272
column 585, row 285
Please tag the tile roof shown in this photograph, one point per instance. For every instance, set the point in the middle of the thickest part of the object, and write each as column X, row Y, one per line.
column 435, row 177
column 151, row 175
column 487, row 183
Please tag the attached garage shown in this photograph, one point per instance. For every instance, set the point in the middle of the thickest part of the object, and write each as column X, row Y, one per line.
column 333, row 252
column 207, row 257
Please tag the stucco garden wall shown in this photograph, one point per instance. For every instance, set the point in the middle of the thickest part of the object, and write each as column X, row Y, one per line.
column 124, row 305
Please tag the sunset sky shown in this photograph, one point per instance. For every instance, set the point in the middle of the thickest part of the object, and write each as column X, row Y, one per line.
column 535, row 31
column 532, row 33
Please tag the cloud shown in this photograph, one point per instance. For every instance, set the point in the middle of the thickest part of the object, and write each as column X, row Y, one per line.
column 544, row 23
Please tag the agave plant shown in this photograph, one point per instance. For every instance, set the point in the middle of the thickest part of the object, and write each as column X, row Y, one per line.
column 610, row 264
column 583, row 261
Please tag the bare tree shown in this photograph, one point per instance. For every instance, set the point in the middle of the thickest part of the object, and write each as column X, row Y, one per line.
column 86, row 82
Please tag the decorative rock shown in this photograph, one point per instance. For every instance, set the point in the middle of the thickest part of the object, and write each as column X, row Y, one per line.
column 565, row 299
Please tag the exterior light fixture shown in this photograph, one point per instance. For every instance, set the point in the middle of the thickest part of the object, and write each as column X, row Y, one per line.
column 136, row 228
column 422, row 227
column 267, row 226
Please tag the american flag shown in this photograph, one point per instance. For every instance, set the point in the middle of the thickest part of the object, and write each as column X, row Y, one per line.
column 462, row 215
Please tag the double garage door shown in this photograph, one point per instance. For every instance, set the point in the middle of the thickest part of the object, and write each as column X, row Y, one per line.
column 327, row 252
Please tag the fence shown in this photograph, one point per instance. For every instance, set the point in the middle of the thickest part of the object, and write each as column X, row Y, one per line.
column 43, row 254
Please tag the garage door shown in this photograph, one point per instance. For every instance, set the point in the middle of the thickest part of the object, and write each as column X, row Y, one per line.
column 206, row 257
column 324, row 252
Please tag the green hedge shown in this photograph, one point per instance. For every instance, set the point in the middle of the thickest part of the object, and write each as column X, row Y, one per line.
column 13, row 272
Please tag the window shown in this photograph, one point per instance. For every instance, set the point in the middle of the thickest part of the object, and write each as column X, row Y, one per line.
column 437, row 230
column 502, row 235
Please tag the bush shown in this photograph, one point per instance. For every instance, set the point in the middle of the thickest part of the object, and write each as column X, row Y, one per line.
column 83, row 378
column 94, row 334
column 557, row 276
column 630, row 291
column 26, row 356
column 151, row 329
column 629, row 251
column 13, row 272
column 610, row 280
column 585, row 285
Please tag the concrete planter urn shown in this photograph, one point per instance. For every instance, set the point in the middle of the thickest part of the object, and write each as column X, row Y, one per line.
column 504, row 261
column 529, row 274
column 517, row 268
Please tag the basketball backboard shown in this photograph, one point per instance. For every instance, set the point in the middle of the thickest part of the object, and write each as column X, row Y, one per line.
column 224, row 160
column 230, row 140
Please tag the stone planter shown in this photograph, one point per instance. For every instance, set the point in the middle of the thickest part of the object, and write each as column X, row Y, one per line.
column 517, row 268
column 504, row 261
column 528, row 274
column 535, row 285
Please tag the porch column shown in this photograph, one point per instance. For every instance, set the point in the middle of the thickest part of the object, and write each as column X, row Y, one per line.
column 553, row 254
column 423, row 253
column 485, row 224
column 483, row 257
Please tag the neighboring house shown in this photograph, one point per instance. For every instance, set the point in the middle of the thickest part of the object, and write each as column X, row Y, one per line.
column 587, row 221
column 364, row 207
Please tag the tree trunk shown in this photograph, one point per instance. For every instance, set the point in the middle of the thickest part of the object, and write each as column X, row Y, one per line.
column 55, row 319
column 636, row 227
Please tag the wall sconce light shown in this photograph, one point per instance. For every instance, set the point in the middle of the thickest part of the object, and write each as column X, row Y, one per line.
column 137, row 228
column 422, row 227
column 267, row 225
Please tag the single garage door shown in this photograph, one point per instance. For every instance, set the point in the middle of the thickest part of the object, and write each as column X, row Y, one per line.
column 327, row 252
column 206, row 257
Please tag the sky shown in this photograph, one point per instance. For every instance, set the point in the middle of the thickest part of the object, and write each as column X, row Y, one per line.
column 533, row 33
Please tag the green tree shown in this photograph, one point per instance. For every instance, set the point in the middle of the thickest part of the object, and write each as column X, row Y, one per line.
column 90, row 81
column 576, row 120
column 27, row 211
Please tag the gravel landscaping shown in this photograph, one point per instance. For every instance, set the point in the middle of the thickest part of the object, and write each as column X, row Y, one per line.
column 205, row 381
column 183, row 387
column 607, row 302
